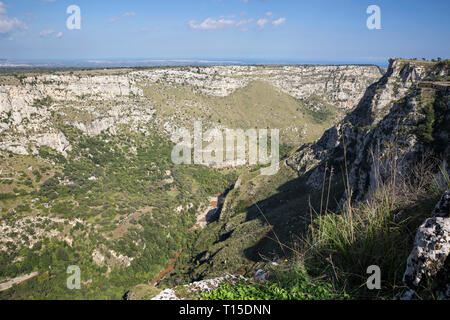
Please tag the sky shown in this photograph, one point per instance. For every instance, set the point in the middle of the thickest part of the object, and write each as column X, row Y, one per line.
column 241, row 30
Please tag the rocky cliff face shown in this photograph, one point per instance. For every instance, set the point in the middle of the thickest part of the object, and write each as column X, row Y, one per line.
column 110, row 195
column 394, row 121
column 403, row 116
column 429, row 257
column 96, row 103
column 399, row 118
column 385, row 124
column 340, row 85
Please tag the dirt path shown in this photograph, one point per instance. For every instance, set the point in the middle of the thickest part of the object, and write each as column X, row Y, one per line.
column 215, row 205
column 8, row 284
column 168, row 269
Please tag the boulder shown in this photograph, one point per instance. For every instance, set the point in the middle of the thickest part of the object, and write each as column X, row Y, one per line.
column 429, row 257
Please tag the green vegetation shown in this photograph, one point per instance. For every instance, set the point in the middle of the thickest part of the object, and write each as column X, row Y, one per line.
column 374, row 232
column 46, row 101
column 126, row 189
column 289, row 285
column 121, row 199
column 337, row 245
column 258, row 105
column 121, row 210
column 435, row 118
column 242, row 239
column 322, row 114
column 51, row 258
column 142, row 292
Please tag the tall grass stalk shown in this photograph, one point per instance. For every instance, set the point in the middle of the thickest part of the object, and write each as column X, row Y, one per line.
column 376, row 231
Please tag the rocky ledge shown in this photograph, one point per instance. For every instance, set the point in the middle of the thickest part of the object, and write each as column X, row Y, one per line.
column 430, row 255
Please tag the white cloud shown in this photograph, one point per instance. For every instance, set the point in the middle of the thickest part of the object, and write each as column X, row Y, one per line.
column 279, row 22
column 46, row 32
column 7, row 24
column 125, row 15
column 262, row 22
column 2, row 8
column 130, row 14
column 228, row 22
column 244, row 22
column 212, row 24
column 59, row 35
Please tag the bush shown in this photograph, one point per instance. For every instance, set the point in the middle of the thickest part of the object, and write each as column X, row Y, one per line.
column 426, row 127
column 293, row 285
column 46, row 101
column 375, row 232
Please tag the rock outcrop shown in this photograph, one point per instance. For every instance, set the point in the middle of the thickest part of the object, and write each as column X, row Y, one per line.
column 380, row 133
column 33, row 109
column 381, row 140
column 196, row 288
column 430, row 255
column 342, row 86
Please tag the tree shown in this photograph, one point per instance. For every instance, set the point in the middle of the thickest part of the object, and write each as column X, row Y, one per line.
column 61, row 255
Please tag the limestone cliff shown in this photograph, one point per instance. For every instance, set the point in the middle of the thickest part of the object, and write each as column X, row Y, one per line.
column 106, row 101
column 401, row 117
column 386, row 120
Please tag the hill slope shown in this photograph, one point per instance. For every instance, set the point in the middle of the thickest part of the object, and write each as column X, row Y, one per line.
column 403, row 116
column 86, row 173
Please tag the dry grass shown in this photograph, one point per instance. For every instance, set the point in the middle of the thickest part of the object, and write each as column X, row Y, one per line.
column 378, row 231
column 258, row 105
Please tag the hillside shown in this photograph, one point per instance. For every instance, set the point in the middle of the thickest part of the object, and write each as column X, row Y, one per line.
column 378, row 174
column 86, row 173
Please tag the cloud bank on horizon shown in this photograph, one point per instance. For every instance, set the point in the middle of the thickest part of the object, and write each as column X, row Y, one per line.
column 323, row 30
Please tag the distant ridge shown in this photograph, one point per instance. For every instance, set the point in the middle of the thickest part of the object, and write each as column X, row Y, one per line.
column 122, row 63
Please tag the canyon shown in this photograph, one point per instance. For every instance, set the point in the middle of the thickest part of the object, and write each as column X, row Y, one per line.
column 86, row 174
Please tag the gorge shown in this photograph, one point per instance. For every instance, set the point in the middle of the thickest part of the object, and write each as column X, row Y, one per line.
column 87, row 177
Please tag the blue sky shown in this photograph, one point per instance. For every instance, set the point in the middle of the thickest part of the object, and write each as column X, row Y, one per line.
column 270, row 30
